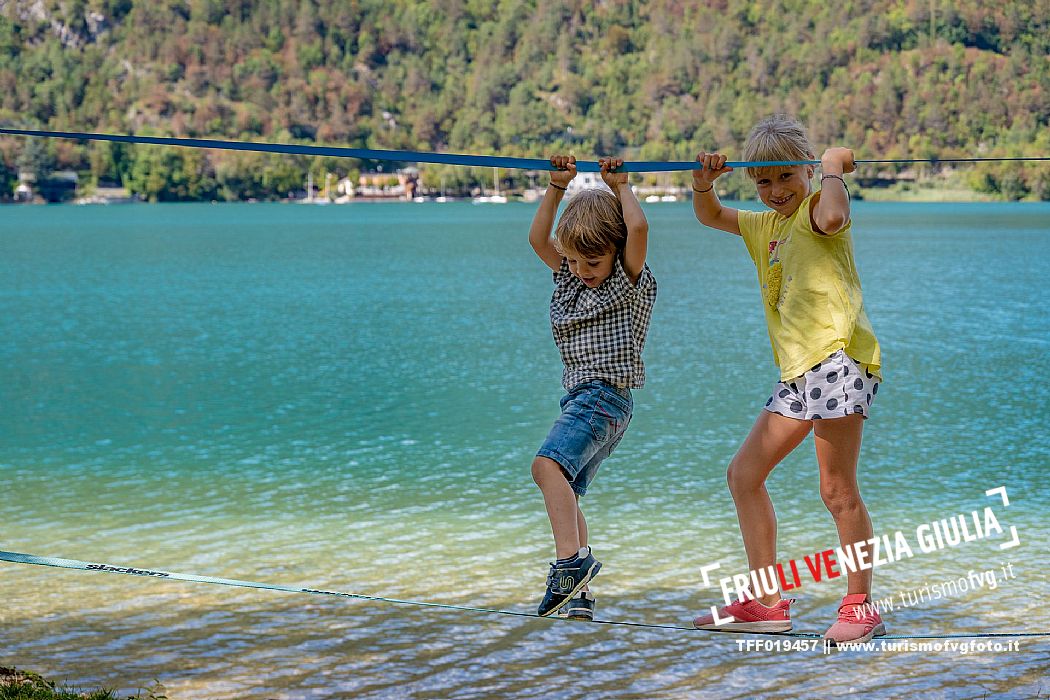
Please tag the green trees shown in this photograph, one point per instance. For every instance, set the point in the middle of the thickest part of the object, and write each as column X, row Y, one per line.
column 171, row 175
column 8, row 181
column 657, row 79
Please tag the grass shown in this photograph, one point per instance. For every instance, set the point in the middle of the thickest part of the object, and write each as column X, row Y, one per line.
column 25, row 685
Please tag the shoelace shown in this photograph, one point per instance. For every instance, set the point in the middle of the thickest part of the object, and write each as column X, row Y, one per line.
column 551, row 578
column 849, row 613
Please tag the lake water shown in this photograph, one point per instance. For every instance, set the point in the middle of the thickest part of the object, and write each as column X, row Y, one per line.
column 349, row 398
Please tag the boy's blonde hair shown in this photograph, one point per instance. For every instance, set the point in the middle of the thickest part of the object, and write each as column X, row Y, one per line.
column 591, row 225
column 777, row 137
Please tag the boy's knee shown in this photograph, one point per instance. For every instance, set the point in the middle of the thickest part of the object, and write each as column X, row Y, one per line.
column 545, row 468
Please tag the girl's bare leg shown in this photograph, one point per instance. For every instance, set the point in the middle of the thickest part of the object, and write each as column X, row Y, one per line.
column 771, row 439
column 838, row 448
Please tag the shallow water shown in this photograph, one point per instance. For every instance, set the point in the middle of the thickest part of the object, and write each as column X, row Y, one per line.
column 348, row 398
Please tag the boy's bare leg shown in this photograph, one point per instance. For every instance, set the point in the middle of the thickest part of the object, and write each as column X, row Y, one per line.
column 581, row 523
column 838, row 448
column 562, row 509
column 581, row 527
column 771, row 439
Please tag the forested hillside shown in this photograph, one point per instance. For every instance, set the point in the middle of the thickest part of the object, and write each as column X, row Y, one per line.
column 649, row 80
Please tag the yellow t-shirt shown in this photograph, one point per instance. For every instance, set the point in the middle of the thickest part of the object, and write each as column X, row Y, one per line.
column 821, row 309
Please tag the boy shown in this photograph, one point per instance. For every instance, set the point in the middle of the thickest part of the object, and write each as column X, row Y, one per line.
column 600, row 311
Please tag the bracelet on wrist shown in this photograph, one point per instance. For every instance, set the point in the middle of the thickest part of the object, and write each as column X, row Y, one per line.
column 702, row 191
column 558, row 187
column 835, row 177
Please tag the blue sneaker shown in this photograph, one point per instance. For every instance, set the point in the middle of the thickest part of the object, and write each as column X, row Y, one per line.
column 565, row 580
column 581, row 608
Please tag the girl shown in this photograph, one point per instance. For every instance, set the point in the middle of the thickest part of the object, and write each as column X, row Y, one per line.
column 824, row 346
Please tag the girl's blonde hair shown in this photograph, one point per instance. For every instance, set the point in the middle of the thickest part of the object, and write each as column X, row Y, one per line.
column 591, row 225
column 777, row 137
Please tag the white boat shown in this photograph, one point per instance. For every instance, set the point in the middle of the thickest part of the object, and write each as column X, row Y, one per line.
column 496, row 198
column 668, row 198
column 652, row 198
column 310, row 199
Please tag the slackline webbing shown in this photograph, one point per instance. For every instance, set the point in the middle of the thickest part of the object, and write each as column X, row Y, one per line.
column 16, row 558
column 583, row 166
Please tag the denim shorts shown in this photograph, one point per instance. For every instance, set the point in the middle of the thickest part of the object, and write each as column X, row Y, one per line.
column 594, row 416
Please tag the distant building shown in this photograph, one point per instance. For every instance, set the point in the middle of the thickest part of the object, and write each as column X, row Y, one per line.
column 586, row 181
column 109, row 193
column 23, row 193
column 402, row 183
column 376, row 180
column 24, row 190
column 409, row 181
column 59, row 186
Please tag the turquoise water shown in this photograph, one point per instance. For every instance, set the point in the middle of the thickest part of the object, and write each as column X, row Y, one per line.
column 349, row 398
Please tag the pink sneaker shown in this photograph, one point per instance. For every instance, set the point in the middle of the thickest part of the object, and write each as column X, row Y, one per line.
column 749, row 616
column 858, row 621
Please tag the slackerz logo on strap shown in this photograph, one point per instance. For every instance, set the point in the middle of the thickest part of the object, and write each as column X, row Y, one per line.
column 126, row 570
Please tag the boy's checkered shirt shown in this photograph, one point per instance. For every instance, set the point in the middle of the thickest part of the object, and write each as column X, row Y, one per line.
column 601, row 332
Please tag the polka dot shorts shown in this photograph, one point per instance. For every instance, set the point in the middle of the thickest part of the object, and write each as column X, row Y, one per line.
column 834, row 388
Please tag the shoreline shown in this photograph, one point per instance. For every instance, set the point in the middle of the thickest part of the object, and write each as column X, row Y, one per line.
column 860, row 195
column 933, row 195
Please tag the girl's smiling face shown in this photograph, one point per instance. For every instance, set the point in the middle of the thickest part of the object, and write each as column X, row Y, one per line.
column 782, row 189
column 591, row 270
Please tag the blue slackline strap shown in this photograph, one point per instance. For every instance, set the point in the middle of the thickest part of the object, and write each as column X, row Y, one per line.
column 16, row 558
column 583, row 166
